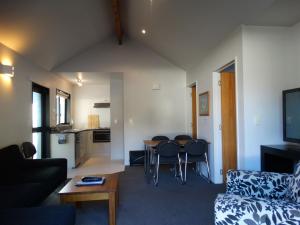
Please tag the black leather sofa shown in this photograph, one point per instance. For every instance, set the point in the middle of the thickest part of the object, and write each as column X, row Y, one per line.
column 50, row 215
column 26, row 183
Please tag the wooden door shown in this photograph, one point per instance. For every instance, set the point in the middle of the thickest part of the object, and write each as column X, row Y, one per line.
column 228, row 111
column 194, row 112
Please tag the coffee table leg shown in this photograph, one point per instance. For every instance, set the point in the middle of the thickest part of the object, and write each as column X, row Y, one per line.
column 78, row 204
column 112, row 208
column 117, row 197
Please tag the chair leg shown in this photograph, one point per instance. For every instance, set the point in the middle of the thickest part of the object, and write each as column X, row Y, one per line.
column 185, row 166
column 157, row 169
column 150, row 160
column 207, row 165
column 145, row 161
column 180, row 169
column 175, row 170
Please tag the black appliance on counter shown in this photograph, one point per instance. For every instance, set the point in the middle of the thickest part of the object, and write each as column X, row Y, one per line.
column 101, row 135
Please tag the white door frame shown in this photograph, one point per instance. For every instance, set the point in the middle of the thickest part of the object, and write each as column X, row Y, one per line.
column 189, row 102
column 217, row 121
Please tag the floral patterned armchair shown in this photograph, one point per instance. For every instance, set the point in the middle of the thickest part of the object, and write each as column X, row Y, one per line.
column 259, row 198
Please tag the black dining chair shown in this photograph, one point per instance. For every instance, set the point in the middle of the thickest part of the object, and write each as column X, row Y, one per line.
column 182, row 137
column 167, row 152
column 155, row 138
column 160, row 138
column 28, row 150
column 150, row 159
column 196, row 151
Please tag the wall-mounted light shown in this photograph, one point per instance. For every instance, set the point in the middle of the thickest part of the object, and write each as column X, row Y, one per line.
column 7, row 70
column 79, row 82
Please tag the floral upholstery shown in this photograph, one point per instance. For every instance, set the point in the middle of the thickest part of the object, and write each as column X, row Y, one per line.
column 258, row 184
column 237, row 209
column 257, row 198
column 294, row 191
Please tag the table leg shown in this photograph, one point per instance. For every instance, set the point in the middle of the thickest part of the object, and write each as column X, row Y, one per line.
column 148, row 175
column 112, row 208
column 78, row 204
column 145, row 160
column 117, row 197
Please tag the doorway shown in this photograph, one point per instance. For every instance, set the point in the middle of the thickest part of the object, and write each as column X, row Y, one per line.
column 194, row 111
column 228, row 119
column 40, row 121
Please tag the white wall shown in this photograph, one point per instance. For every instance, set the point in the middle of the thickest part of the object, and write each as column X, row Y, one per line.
column 83, row 104
column 267, row 63
column 269, row 68
column 117, row 117
column 146, row 112
column 296, row 47
column 15, row 97
column 227, row 51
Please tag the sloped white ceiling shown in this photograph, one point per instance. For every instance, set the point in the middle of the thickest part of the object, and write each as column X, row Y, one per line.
column 49, row 32
column 88, row 78
column 185, row 31
column 281, row 13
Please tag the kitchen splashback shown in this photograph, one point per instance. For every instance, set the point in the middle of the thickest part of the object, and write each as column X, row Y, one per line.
column 93, row 121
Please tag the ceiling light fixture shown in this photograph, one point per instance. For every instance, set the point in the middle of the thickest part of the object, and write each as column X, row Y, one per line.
column 7, row 70
column 143, row 31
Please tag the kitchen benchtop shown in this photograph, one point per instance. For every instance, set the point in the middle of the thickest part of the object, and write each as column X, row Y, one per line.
column 74, row 131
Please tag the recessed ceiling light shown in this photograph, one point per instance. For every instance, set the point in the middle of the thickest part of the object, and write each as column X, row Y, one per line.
column 143, row 31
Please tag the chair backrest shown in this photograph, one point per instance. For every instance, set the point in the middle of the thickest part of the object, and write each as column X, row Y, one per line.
column 11, row 163
column 160, row 138
column 196, row 147
column 28, row 149
column 183, row 137
column 168, row 149
column 10, row 158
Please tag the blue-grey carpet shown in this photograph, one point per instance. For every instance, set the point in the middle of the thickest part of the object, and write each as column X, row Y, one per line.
column 144, row 204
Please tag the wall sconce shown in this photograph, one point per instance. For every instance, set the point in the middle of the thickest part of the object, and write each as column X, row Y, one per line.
column 79, row 82
column 7, row 70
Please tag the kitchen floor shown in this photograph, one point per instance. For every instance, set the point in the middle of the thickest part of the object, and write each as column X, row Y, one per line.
column 97, row 165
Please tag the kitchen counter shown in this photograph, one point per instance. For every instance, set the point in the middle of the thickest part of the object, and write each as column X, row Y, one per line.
column 77, row 145
column 74, row 131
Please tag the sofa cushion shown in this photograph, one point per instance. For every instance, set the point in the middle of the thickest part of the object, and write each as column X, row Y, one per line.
column 10, row 162
column 258, row 184
column 21, row 195
column 45, row 174
column 50, row 215
column 294, row 190
column 244, row 210
column 10, row 155
column 50, row 178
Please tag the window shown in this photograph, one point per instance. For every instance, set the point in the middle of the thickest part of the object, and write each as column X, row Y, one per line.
column 62, row 107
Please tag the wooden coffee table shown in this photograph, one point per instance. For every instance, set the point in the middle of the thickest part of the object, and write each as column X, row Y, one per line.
column 107, row 191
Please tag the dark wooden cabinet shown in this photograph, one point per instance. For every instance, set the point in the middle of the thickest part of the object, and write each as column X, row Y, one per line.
column 279, row 158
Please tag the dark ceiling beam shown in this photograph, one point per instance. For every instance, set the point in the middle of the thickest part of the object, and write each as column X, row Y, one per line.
column 117, row 17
